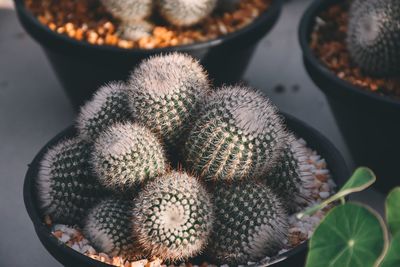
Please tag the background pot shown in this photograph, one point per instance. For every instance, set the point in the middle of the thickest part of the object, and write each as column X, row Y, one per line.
column 82, row 67
column 69, row 257
column 370, row 123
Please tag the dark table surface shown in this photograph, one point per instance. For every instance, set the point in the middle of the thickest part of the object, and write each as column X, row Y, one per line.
column 33, row 108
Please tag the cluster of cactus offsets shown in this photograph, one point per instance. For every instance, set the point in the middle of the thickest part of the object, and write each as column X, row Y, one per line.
column 109, row 227
column 186, row 12
column 374, row 36
column 291, row 178
column 66, row 188
column 250, row 223
column 166, row 93
column 238, row 135
column 135, row 30
column 129, row 10
column 174, row 217
column 108, row 106
column 126, row 155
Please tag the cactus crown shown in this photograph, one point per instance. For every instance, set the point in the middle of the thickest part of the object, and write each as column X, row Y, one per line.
column 108, row 106
column 173, row 217
column 109, row 228
column 250, row 223
column 126, row 155
column 186, row 12
column 291, row 178
column 166, row 92
column 238, row 135
column 373, row 36
column 129, row 10
column 66, row 188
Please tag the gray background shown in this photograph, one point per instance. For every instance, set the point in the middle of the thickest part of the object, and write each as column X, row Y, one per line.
column 33, row 108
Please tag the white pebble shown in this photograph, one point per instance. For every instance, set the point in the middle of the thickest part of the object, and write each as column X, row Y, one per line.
column 324, row 195
column 65, row 238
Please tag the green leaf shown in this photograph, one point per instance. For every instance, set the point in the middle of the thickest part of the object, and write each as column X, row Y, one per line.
column 392, row 206
column 361, row 179
column 351, row 235
column 392, row 258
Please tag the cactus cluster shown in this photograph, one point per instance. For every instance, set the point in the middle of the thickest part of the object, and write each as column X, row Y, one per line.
column 238, row 135
column 240, row 173
column 129, row 10
column 250, row 223
column 66, row 188
column 174, row 217
column 373, row 36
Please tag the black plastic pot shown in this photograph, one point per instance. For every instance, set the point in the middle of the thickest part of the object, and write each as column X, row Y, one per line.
column 370, row 123
column 82, row 67
column 69, row 257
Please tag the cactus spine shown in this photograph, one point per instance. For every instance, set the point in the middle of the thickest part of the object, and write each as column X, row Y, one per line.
column 373, row 36
column 126, row 155
column 66, row 188
column 108, row 106
column 186, row 12
column 173, row 217
column 135, row 30
column 108, row 226
column 166, row 92
column 129, row 10
column 250, row 223
column 238, row 135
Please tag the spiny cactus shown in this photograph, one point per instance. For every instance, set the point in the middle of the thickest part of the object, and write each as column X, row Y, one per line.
column 374, row 36
column 129, row 10
column 66, row 188
column 135, row 30
column 108, row 106
column 239, row 134
column 250, row 223
column 290, row 178
column 186, row 12
column 166, row 92
column 108, row 226
column 126, row 155
column 173, row 217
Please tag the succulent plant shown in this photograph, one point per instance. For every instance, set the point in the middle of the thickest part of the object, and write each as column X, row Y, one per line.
column 250, row 223
column 166, row 92
column 173, row 217
column 126, row 155
column 186, row 12
column 108, row 106
column 374, row 36
column 129, row 10
column 108, row 226
column 66, row 188
column 291, row 179
column 135, row 30
column 239, row 134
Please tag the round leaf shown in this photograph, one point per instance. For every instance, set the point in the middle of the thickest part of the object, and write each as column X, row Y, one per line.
column 392, row 206
column 351, row 235
column 392, row 258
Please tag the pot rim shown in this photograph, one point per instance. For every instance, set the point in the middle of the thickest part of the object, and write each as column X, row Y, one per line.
column 44, row 232
column 257, row 26
column 306, row 25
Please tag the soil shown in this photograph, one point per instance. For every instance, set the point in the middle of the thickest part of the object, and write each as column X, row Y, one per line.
column 328, row 42
column 89, row 21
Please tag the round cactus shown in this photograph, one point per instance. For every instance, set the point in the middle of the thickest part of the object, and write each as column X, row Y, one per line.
column 374, row 36
column 238, row 135
column 250, row 223
column 108, row 106
column 186, row 12
column 290, row 178
column 66, row 188
column 135, row 30
column 166, row 92
column 173, row 217
column 126, row 155
column 129, row 10
column 108, row 226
